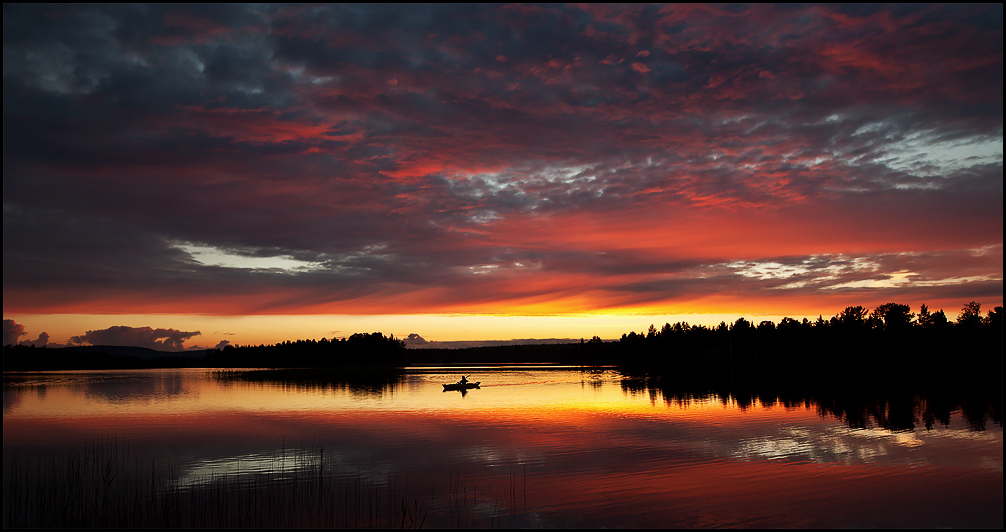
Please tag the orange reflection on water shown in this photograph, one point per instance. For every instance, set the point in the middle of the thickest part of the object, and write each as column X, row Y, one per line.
column 581, row 449
column 766, row 494
column 130, row 393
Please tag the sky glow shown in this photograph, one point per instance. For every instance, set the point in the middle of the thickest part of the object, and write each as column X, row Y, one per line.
column 426, row 165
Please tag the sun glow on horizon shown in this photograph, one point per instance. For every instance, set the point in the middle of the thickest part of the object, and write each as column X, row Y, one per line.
column 607, row 324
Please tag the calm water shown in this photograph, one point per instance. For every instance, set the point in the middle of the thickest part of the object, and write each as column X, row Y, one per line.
column 556, row 447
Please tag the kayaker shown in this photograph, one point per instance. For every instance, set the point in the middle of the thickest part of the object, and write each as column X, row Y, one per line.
column 464, row 380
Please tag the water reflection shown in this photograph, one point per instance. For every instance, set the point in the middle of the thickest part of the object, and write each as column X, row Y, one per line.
column 131, row 388
column 282, row 464
column 357, row 380
column 460, row 391
column 896, row 409
column 531, row 447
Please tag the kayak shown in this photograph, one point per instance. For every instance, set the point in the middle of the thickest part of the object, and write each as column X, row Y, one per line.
column 459, row 386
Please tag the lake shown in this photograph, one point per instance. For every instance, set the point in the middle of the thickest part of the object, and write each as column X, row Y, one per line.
column 541, row 446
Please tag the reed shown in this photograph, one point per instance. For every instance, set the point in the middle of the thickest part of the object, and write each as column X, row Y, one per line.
column 105, row 485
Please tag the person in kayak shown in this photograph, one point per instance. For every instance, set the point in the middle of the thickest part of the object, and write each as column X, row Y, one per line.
column 464, row 380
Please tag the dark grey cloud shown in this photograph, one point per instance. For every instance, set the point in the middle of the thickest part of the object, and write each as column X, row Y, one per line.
column 160, row 339
column 399, row 147
column 12, row 332
column 41, row 341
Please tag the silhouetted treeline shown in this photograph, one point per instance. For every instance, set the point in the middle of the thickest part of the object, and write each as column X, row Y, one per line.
column 360, row 349
column 890, row 336
column 889, row 365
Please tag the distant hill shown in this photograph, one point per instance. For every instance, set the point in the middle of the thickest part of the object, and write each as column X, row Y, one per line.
column 126, row 351
column 31, row 358
column 414, row 341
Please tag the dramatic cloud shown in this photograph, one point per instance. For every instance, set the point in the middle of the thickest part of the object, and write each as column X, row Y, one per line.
column 414, row 340
column 160, row 339
column 233, row 159
column 42, row 341
column 12, row 331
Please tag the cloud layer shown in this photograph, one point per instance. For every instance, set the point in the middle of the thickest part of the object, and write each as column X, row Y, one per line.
column 160, row 339
column 500, row 159
column 119, row 335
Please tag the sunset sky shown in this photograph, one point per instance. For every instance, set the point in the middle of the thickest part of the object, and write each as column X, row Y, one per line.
column 268, row 173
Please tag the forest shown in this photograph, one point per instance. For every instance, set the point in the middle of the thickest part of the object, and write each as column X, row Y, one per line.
column 889, row 364
column 891, row 335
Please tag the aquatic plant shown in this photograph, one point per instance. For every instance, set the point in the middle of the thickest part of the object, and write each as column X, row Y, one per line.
column 104, row 485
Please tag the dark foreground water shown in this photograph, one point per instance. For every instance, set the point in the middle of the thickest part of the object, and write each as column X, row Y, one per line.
column 542, row 447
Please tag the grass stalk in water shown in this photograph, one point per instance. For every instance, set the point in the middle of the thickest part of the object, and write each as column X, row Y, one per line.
column 104, row 485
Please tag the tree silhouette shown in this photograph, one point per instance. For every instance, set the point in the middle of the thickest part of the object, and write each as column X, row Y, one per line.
column 925, row 319
column 971, row 315
column 994, row 319
column 895, row 317
column 853, row 317
column 939, row 321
